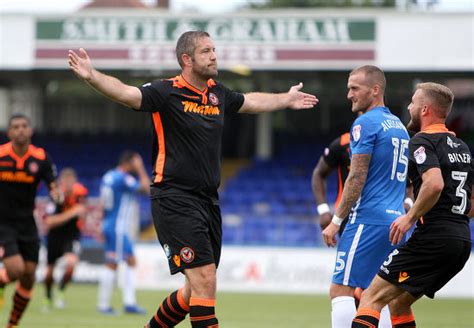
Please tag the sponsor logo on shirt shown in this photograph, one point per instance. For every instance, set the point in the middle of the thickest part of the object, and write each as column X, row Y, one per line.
column 192, row 107
column 20, row 177
column 420, row 155
column 356, row 132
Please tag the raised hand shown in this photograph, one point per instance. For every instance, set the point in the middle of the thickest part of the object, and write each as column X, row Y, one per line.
column 80, row 64
column 301, row 100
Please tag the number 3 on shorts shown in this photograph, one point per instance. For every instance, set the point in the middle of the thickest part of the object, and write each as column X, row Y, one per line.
column 340, row 264
column 390, row 257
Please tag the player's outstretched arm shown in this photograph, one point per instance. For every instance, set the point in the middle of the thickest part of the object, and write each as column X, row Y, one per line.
column 61, row 218
column 352, row 190
column 109, row 86
column 261, row 102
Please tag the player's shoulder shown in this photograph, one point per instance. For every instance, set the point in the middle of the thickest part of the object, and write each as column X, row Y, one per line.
column 5, row 149
column 160, row 84
column 344, row 139
column 37, row 152
column 79, row 189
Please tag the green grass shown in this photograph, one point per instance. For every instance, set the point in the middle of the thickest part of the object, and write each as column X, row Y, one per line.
column 234, row 311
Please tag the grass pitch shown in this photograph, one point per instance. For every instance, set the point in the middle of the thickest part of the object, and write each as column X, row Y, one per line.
column 233, row 310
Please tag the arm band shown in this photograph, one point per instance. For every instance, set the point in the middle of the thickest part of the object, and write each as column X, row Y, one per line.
column 409, row 202
column 323, row 208
column 336, row 220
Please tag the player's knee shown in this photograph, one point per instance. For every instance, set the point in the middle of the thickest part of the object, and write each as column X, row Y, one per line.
column 203, row 281
column 15, row 272
column 340, row 290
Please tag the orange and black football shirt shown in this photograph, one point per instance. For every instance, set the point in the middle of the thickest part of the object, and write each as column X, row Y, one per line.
column 436, row 147
column 188, row 125
column 70, row 229
column 19, row 179
column 337, row 157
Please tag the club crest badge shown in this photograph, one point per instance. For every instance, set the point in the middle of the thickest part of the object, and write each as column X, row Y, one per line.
column 420, row 155
column 187, row 254
column 213, row 99
column 33, row 167
column 356, row 132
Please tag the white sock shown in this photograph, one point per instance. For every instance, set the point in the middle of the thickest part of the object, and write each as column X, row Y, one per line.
column 343, row 311
column 385, row 321
column 106, row 287
column 129, row 283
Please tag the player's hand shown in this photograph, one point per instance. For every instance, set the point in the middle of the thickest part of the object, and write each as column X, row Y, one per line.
column 329, row 234
column 324, row 220
column 137, row 163
column 80, row 64
column 399, row 227
column 300, row 100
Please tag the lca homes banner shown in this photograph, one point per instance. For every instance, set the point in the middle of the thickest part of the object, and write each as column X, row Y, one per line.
column 257, row 42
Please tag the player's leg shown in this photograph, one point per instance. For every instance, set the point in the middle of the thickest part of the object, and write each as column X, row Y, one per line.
column 190, row 233
column 402, row 314
column 173, row 309
column 71, row 257
column 129, row 285
column 48, row 286
column 361, row 250
column 13, row 268
column 29, row 250
column 53, row 253
column 107, row 275
column 202, row 281
column 379, row 294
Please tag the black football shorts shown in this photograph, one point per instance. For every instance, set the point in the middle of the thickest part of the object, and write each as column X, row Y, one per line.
column 422, row 266
column 19, row 236
column 189, row 230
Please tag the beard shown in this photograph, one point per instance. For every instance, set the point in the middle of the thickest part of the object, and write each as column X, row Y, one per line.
column 206, row 72
column 414, row 124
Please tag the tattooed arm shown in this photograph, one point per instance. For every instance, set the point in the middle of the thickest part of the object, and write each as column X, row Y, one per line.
column 352, row 190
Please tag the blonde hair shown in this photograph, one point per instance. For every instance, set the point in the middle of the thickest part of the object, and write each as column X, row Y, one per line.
column 441, row 97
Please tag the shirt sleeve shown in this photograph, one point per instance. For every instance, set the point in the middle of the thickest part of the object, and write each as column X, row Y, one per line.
column 332, row 153
column 49, row 170
column 130, row 183
column 233, row 100
column 363, row 136
column 423, row 153
column 154, row 95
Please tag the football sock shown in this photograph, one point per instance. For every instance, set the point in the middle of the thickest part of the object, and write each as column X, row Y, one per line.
column 202, row 313
column 48, row 285
column 366, row 318
column 106, row 286
column 385, row 320
column 343, row 311
column 403, row 321
column 172, row 311
column 20, row 301
column 128, row 290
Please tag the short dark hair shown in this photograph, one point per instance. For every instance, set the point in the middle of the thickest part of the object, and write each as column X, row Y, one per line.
column 17, row 116
column 187, row 44
column 373, row 74
column 126, row 157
